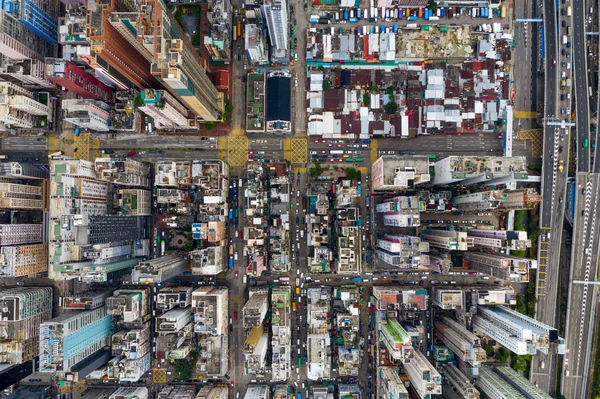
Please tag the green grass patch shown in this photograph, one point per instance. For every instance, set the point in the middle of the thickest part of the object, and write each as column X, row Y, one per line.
column 596, row 373
column 518, row 220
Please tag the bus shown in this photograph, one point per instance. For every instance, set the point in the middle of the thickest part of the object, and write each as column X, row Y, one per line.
column 299, row 365
column 368, row 201
column 431, row 156
column 234, row 33
column 336, row 151
column 231, row 214
column 585, row 143
column 502, row 11
column 359, row 159
column 239, row 28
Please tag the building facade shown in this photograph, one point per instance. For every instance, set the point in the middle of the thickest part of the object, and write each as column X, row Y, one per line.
column 89, row 114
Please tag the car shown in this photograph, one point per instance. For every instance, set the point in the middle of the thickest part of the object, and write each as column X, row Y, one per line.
column 553, row 61
column 161, row 152
column 131, row 153
column 25, row 159
column 236, row 274
column 235, row 316
column 214, row 147
column 560, row 149
column 500, row 136
column 340, row 145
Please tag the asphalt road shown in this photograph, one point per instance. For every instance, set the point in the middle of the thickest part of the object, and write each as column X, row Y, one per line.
column 552, row 207
column 580, row 81
column 582, row 297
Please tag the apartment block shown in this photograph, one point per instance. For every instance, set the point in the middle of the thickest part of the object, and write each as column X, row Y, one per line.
column 505, row 383
column 319, row 356
column 71, row 77
column 255, row 351
column 177, row 392
column 255, row 309
column 258, row 392
column 130, row 393
column 255, row 45
column 275, row 13
column 400, row 211
column 12, row 234
column 166, row 111
column 404, row 252
column 173, row 174
column 395, row 338
column 465, row 345
column 460, row 382
column 21, row 170
column 129, row 305
column 509, row 239
column 129, row 370
column 175, row 63
column 401, row 298
column 480, row 169
column 448, row 239
column 424, row 378
column 349, row 250
column 218, row 44
column 159, row 269
column 281, row 333
column 71, row 337
column 19, row 43
column 211, row 307
column 88, row 114
column 126, row 172
column 22, row 108
column 213, row 392
column 132, row 344
column 87, row 300
column 318, row 308
column 171, row 297
column 135, row 201
column 207, row 261
column 20, row 196
column 23, row 260
column 515, row 331
column 346, row 300
column 210, row 360
column 22, row 310
column 447, row 298
column 173, row 321
column 389, row 384
column 524, row 199
column 505, row 267
column 394, row 173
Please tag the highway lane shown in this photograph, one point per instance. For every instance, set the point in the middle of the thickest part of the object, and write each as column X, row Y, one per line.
column 552, row 207
column 11, row 144
column 580, row 80
column 582, row 298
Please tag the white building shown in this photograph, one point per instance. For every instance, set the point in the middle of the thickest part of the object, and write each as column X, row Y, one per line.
column 425, row 379
column 281, row 333
column 460, row 382
column 319, row 356
column 166, row 111
column 173, row 321
column 159, row 269
column 403, row 251
column 465, row 345
column 400, row 211
column 210, row 306
column 480, row 169
column 130, row 393
column 254, row 311
column 275, row 13
column 257, row 392
column 89, row 114
column 19, row 108
column 255, row 45
column 505, row 383
column 448, row 239
column 394, row 173
column 389, row 384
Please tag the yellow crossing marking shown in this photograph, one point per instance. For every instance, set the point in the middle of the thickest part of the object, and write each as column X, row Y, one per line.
column 374, row 154
column 299, row 154
column 53, row 144
column 525, row 114
column 96, row 148
column 536, row 136
column 238, row 132
column 237, row 150
column 81, row 147
column 159, row 376
column 222, row 146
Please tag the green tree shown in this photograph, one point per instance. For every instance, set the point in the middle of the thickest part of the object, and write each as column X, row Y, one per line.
column 390, row 108
column 366, row 99
column 432, row 5
column 351, row 174
column 489, row 350
column 210, row 125
column 138, row 101
column 520, row 306
column 519, row 363
column 390, row 91
column 502, row 355
column 373, row 87
column 316, row 170
column 183, row 370
column 326, row 84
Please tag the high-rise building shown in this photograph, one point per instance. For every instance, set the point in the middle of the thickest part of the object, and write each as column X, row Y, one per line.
column 19, row 43
column 40, row 16
column 73, row 336
column 165, row 110
column 23, row 260
column 424, row 378
column 389, row 384
column 160, row 269
column 480, row 169
column 447, row 239
column 22, row 310
column 255, row 309
column 20, row 107
column 393, row 173
column 526, row 198
column 87, row 300
column 281, row 333
column 31, row 73
column 501, row 382
column 510, row 239
column 90, row 114
column 129, row 305
column 447, row 298
column 517, row 332
column 71, row 77
column 255, row 350
column 218, row 44
column 17, row 170
column 158, row 38
column 207, row 261
column 173, row 321
column 134, row 201
column 506, row 267
column 460, row 382
column 464, row 344
column 395, row 338
column 403, row 251
column 400, row 211
column 127, row 172
column 20, row 196
column 275, row 13
column 12, row 234
column 255, row 45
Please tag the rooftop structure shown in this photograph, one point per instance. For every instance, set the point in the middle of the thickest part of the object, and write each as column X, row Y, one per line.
column 135, row 201
column 505, row 383
column 506, row 267
column 210, row 360
column 170, row 297
column 22, row 170
column 476, row 169
column 255, row 350
column 70, row 338
column 213, row 392
column 126, row 172
column 173, row 320
column 405, row 298
column 129, row 305
column 165, row 110
column 71, row 77
column 404, row 252
column 400, row 211
column 159, row 269
column 132, row 344
column 88, row 114
column 510, row 239
column 278, row 106
column 281, row 334
column 515, row 331
column 22, row 108
column 460, row 382
column 447, row 298
column 396, row 339
column 498, row 199
column 23, row 260
column 210, row 306
column 349, row 250
column 207, row 261
column 177, row 392
column 173, row 174
column 393, row 173
column 22, row 310
column 255, row 45
column 255, row 309
column 130, row 393
column 319, row 356
column 447, row 239
column 389, row 384
column 218, row 44
column 87, row 300
column 425, row 379
column 464, row 344
column 258, row 392
column 275, row 13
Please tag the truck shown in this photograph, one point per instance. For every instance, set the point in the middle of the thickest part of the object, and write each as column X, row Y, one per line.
column 346, row 15
column 356, row 279
column 395, row 28
column 564, row 39
column 412, row 18
column 359, row 221
column 353, row 20
column 298, row 291
column 231, row 262
column 560, row 165
column 313, row 19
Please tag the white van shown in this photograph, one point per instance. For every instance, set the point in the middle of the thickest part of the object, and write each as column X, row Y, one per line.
column 235, row 256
